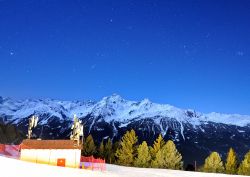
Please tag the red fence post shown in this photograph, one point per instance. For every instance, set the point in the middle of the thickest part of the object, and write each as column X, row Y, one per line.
column 104, row 165
column 93, row 163
column 2, row 148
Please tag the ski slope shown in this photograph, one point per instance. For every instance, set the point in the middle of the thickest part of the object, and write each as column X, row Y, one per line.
column 16, row 168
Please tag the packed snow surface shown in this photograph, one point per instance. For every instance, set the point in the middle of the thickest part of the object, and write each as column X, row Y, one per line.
column 113, row 108
column 17, row 168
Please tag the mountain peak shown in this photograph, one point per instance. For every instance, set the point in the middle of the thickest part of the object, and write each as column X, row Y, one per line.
column 146, row 101
column 114, row 98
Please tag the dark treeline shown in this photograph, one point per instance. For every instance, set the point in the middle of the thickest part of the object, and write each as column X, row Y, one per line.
column 161, row 154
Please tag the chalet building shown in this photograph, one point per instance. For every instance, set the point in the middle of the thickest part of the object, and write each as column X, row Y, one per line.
column 65, row 153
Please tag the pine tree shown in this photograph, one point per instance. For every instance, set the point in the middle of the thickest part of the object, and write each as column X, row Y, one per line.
column 158, row 144
column 116, row 146
column 168, row 157
column 89, row 146
column 109, row 156
column 101, row 150
column 244, row 168
column 143, row 157
column 231, row 163
column 125, row 154
column 213, row 163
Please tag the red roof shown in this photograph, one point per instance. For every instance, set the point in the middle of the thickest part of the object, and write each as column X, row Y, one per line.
column 49, row 144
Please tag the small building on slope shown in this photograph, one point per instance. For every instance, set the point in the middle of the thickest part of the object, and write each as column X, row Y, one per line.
column 65, row 153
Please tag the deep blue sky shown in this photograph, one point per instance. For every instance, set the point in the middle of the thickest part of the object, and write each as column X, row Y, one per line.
column 191, row 54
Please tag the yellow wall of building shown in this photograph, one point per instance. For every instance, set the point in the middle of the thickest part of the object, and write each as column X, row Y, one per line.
column 50, row 156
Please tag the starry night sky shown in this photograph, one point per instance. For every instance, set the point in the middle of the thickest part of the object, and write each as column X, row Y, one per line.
column 191, row 54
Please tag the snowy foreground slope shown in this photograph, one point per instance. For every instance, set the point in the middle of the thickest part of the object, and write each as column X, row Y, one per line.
column 16, row 168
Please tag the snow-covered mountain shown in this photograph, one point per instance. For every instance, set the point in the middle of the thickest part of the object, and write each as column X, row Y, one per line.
column 193, row 132
column 113, row 108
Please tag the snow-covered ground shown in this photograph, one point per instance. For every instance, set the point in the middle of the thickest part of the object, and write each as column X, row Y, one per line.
column 147, row 172
column 17, row 168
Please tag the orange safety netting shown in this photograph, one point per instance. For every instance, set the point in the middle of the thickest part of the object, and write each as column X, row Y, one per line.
column 92, row 163
column 12, row 151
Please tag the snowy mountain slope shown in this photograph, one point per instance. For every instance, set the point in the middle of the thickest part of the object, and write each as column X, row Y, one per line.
column 113, row 108
column 192, row 131
column 24, row 169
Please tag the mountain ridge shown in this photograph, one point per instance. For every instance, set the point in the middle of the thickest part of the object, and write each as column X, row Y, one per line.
column 25, row 107
column 195, row 134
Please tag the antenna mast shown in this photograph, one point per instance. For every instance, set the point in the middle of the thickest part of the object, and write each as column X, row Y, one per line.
column 32, row 124
column 77, row 130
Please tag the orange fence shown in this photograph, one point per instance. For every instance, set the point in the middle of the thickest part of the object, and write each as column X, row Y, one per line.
column 92, row 163
column 12, row 151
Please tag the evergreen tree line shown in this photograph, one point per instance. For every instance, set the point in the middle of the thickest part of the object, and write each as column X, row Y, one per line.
column 161, row 154
column 128, row 152
column 214, row 164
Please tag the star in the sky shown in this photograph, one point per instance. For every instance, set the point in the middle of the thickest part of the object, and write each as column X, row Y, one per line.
column 130, row 28
column 240, row 53
column 74, row 70
column 93, row 66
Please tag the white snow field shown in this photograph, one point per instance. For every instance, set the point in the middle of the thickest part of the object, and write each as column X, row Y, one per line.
column 16, row 168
